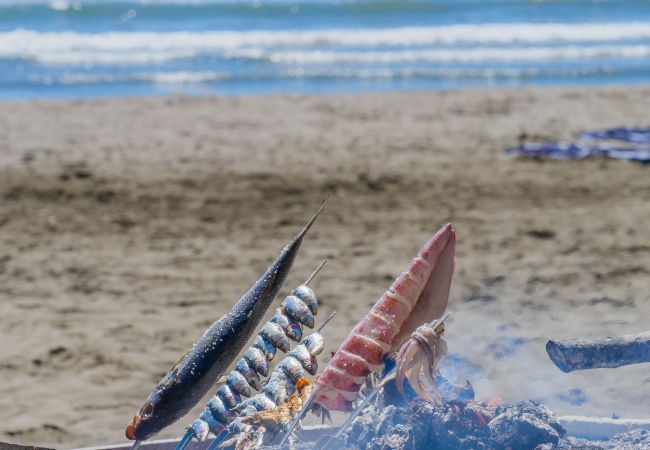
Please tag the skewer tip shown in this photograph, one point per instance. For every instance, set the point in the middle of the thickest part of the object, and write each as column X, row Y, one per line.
column 311, row 221
column 441, row 320
column 322, row 325
column 315, row 272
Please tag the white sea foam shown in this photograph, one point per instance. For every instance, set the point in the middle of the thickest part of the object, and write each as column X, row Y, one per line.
column 174, row 77
column 113, row 47
column 137, row 57
column 486, row 54
column 459, row 55
column 199, row 77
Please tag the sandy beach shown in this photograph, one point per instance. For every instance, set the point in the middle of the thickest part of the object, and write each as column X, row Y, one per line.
column 128, row 225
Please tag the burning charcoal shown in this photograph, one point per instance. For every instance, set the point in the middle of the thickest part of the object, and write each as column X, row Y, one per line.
column 454, row 425
column 362, row 429
column 579, row 354
column 571, row 444
column 636, row 439
column 526, row 425
column 391, row 416
column 399, row 438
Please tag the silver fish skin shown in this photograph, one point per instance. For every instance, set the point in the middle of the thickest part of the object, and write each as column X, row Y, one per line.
column 256, row 359
column 306, row 360
column 238, row 384
column 218, row 410
column 200, row 428
column 279, row 387
column 265, row 347
column 315, row 343
column 229, row 397
column 249, row 374
column 293, row 369
column 298, row 310
column 273, row 333
column 290, row 327
column 306, row 294
column 260, row 402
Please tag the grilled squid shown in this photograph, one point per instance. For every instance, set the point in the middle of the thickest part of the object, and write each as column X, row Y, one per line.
column 420, row 294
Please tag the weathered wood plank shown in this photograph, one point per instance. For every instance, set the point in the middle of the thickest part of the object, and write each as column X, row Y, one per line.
column 614, row 351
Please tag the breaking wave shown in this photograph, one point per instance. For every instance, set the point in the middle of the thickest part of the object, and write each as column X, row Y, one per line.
column 486, row 54
column 102, row 47
column 145, row 47
column 187, row 77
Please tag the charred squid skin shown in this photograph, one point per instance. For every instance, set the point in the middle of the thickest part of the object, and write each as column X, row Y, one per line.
column 193, row 376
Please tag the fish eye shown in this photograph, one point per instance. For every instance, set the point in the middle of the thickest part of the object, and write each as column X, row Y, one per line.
column 147, row 411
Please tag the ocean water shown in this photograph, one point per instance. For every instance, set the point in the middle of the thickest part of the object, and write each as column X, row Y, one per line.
column 94, row 48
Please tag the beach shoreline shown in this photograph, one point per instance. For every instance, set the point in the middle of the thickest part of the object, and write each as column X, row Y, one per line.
column 129, row 224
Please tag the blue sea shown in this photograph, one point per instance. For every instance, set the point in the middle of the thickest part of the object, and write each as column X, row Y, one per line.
column 95, row 48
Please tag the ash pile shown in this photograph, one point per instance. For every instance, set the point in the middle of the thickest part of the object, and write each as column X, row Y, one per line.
column 632, row 440
column 455, row 425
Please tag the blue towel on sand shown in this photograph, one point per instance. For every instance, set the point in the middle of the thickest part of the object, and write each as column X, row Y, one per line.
column 588, row 145
column 625, row 134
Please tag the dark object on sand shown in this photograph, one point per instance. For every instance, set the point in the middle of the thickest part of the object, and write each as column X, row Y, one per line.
column 580, row 354
column 198, row 371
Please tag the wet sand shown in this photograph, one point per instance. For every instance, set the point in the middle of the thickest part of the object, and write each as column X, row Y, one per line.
column 128, row 225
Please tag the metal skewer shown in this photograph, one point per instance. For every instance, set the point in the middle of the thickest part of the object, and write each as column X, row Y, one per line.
column 315, row 272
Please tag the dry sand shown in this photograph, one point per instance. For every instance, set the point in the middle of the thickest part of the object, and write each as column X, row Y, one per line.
column 128, row 225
